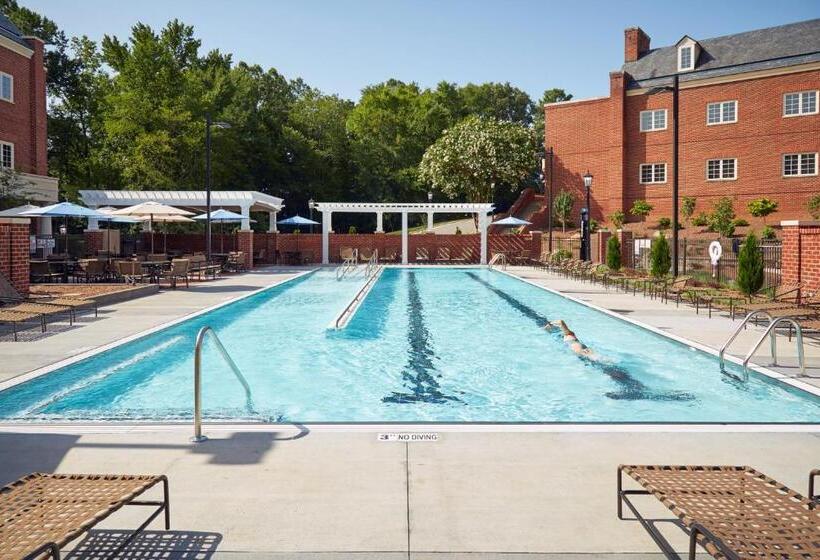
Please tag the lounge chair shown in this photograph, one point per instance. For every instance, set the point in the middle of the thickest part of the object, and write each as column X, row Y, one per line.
column 422, row 254
column 178, row 271
column 16, row 318
column 732, row 512
column 785, row 295
column 346, row 253
column 443, row 255
column 677, row 288
column 390, row 255
column 42, row 513
column 365, row 253
column 44, row 309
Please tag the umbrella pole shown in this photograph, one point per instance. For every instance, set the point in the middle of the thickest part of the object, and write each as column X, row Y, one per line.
column 151, row 225
column 221, row 238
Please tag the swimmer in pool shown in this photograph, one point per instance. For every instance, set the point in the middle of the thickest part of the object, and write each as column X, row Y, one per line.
column 572, row 341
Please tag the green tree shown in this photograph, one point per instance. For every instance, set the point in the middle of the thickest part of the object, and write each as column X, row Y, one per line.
column 477, row 155
column 641, row 208
column 14, row 190
column 687, row 208
column 562, row 208
column 814, row 206
column 502, row 102
column 552, row 95
column 722, row 218
column 762, row 207
column 664, row 223
column 617, row 219
column 749, row 266
column 613, row 253
column 659, row 257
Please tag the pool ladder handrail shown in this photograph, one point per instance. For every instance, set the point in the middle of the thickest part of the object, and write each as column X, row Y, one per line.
column 200, row 339
column 372, row 264
column 770, row 331
column 498, row 258
column 358, row 297
column 347, row 265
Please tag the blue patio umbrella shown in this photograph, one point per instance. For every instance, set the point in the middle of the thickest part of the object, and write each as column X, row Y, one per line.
column 511, row 221
column 297, row 220
column 65, row 210
column 222, row 215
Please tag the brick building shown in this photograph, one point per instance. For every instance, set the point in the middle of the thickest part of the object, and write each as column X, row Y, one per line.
column 23, row 111
column 748, row 124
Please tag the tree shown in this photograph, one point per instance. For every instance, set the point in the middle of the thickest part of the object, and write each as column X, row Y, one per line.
column 659, row 257
column 687, row 208
column 762, row 207
column 477, row 155
column 502, row 102
column 722, row 218
column 814, row 206
column 13, row 189
column 749, row 266
column 664, row 223
column 553, row 95
column 613, row 253
column 641, row 208
column 617, row 219
column 562, row 207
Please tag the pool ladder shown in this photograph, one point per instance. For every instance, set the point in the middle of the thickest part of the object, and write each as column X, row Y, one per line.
column 200, row 339
column 348, row 265
column 498, row 259
column 770, row 332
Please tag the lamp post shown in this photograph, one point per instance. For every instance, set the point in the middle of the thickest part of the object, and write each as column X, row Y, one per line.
column 311, row 206
column 585, row 217
column 208, row 124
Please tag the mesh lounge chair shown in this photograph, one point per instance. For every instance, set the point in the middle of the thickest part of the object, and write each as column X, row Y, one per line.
column 41, row 513
column 390, row 255
column 346, row 253
column 365, row 253
column 786, row 295
column 732, row 512
column 16, row 318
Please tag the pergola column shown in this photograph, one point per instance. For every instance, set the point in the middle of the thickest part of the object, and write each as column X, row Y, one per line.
column 430, row 221
column 326, row 217
column 482, row 227
column 93, row 223
column 272, row 225
column 404, row 240
column 379, row 227
column 246, row 218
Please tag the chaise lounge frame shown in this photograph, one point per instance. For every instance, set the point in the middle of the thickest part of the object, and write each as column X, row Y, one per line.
column 733, row 512
column 41, row 513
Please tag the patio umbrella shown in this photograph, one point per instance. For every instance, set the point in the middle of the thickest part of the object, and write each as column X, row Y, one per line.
column 151, row 210
column 297, row 220
column 222, row 216
column 110, row 218
column 64, row 210
column 12, row 212
column 511, row 221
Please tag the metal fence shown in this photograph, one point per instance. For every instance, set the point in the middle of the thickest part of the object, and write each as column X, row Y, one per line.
column 694, row 260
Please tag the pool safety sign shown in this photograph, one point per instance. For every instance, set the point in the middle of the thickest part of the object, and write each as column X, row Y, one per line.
column 409, row 437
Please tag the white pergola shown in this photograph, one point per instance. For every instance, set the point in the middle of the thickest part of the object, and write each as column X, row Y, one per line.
column 328, row 208
column 243, row 201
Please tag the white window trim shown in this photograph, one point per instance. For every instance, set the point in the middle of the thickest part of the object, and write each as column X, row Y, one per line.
column 737, row 112
column 653, row 182
column 799, row 174
column 800, row 105
column 681, row 68
column 11, row 145
column 10, row 77
column 653, row 111
column 721, row 178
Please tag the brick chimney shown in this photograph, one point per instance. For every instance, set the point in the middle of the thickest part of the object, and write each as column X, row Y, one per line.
column 636, row 43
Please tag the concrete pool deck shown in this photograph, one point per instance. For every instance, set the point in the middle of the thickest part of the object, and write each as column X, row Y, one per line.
column 331, row 492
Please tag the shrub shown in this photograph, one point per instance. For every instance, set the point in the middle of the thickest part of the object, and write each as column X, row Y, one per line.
column 562, row 207
column 762, row 207
column 740, row 222
column 749, row 266
column 814, row 206
column 768, row 233
column 613, row 253
column 561, row 255
column 701, row 220
column 687, row 208
column 594, row 225
column 617, row 219
column 659, row 257
column 722, row 218
column 352, row 229
column 664, row 223
column 297, row 230
column 641, row 208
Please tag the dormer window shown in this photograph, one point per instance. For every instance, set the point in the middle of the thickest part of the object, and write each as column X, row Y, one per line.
column 685, row 58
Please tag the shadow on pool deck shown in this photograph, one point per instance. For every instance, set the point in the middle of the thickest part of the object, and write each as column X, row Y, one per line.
column 168, row 545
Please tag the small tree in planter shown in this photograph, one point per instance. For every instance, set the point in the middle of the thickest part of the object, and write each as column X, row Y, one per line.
column 762, row 207
column 749, row 266
column 352, row 230
column 613, row 253
column 814, row 206
column 562, row 208
column 722, row 218
column 617, row 219
column 660, row 258
column 664, row 223
column 687, row 208
column 641, row 208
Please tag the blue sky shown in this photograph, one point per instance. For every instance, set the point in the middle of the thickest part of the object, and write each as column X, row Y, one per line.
column 341, row 46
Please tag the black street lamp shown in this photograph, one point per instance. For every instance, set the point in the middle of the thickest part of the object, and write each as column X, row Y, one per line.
column 311, row 206
column 208, row 124
column 585, row 217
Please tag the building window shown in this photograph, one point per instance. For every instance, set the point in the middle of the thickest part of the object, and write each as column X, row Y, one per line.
column 6, row 87
column 653, row 120
column 6, row 155
column 722, row 112
column 685, row 58
column 653, row 173
column 721, row 169
column 799, row 165
column 800, row 103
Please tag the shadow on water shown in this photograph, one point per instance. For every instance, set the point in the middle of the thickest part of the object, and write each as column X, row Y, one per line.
column 420, row 373
column 168, row 545
column 629, row 388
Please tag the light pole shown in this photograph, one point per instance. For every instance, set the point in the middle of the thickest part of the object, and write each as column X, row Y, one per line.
column 585, row 217
column 311, row 205
column 208, row 124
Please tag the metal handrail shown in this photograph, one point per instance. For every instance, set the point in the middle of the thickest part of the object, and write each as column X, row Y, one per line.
column 347, row 265
column 372, row 264
column 740, row 327
column 358, row 297
column 770, row 329
column 498, row 257
column 200, row 339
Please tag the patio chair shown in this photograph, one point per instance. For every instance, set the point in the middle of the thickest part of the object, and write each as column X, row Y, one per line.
column 40, row 271
column 130, row 271
column 390, row 255
column 732, row 512
column 365, row 254
column 443, row 255
column 346, row 253
column 16, row 318
column 676, row 287
column 42, row 513
column 178, row 271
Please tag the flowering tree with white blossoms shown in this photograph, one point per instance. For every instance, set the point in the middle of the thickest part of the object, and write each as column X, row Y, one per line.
column 477, row 154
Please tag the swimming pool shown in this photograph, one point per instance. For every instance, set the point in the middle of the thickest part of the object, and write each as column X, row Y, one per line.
column 426, row 345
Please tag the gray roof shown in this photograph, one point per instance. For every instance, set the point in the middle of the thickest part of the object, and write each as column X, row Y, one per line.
column 10, row 31
column 773, row 47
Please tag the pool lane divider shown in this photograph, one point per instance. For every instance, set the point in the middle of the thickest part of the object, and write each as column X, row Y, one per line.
column 33, row 374
column 341, row 320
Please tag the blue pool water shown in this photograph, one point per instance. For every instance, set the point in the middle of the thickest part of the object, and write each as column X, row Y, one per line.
column 449, row 345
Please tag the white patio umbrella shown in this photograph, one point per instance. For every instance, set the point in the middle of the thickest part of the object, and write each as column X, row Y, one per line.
column 167, row 220
column 151, row 211
column 112, row 219
column 222, row 215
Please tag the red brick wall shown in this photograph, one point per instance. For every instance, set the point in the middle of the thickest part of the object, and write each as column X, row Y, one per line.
column 14, row 255
column 23, row 122
column 801, row 254
column 585, row 136
column 93, row 242
column 244, row 242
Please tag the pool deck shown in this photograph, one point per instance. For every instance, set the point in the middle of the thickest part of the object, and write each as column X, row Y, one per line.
column 335, row 492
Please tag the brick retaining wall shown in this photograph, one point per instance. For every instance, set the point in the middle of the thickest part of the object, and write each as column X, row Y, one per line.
column 14, row 252
column 801, row 253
